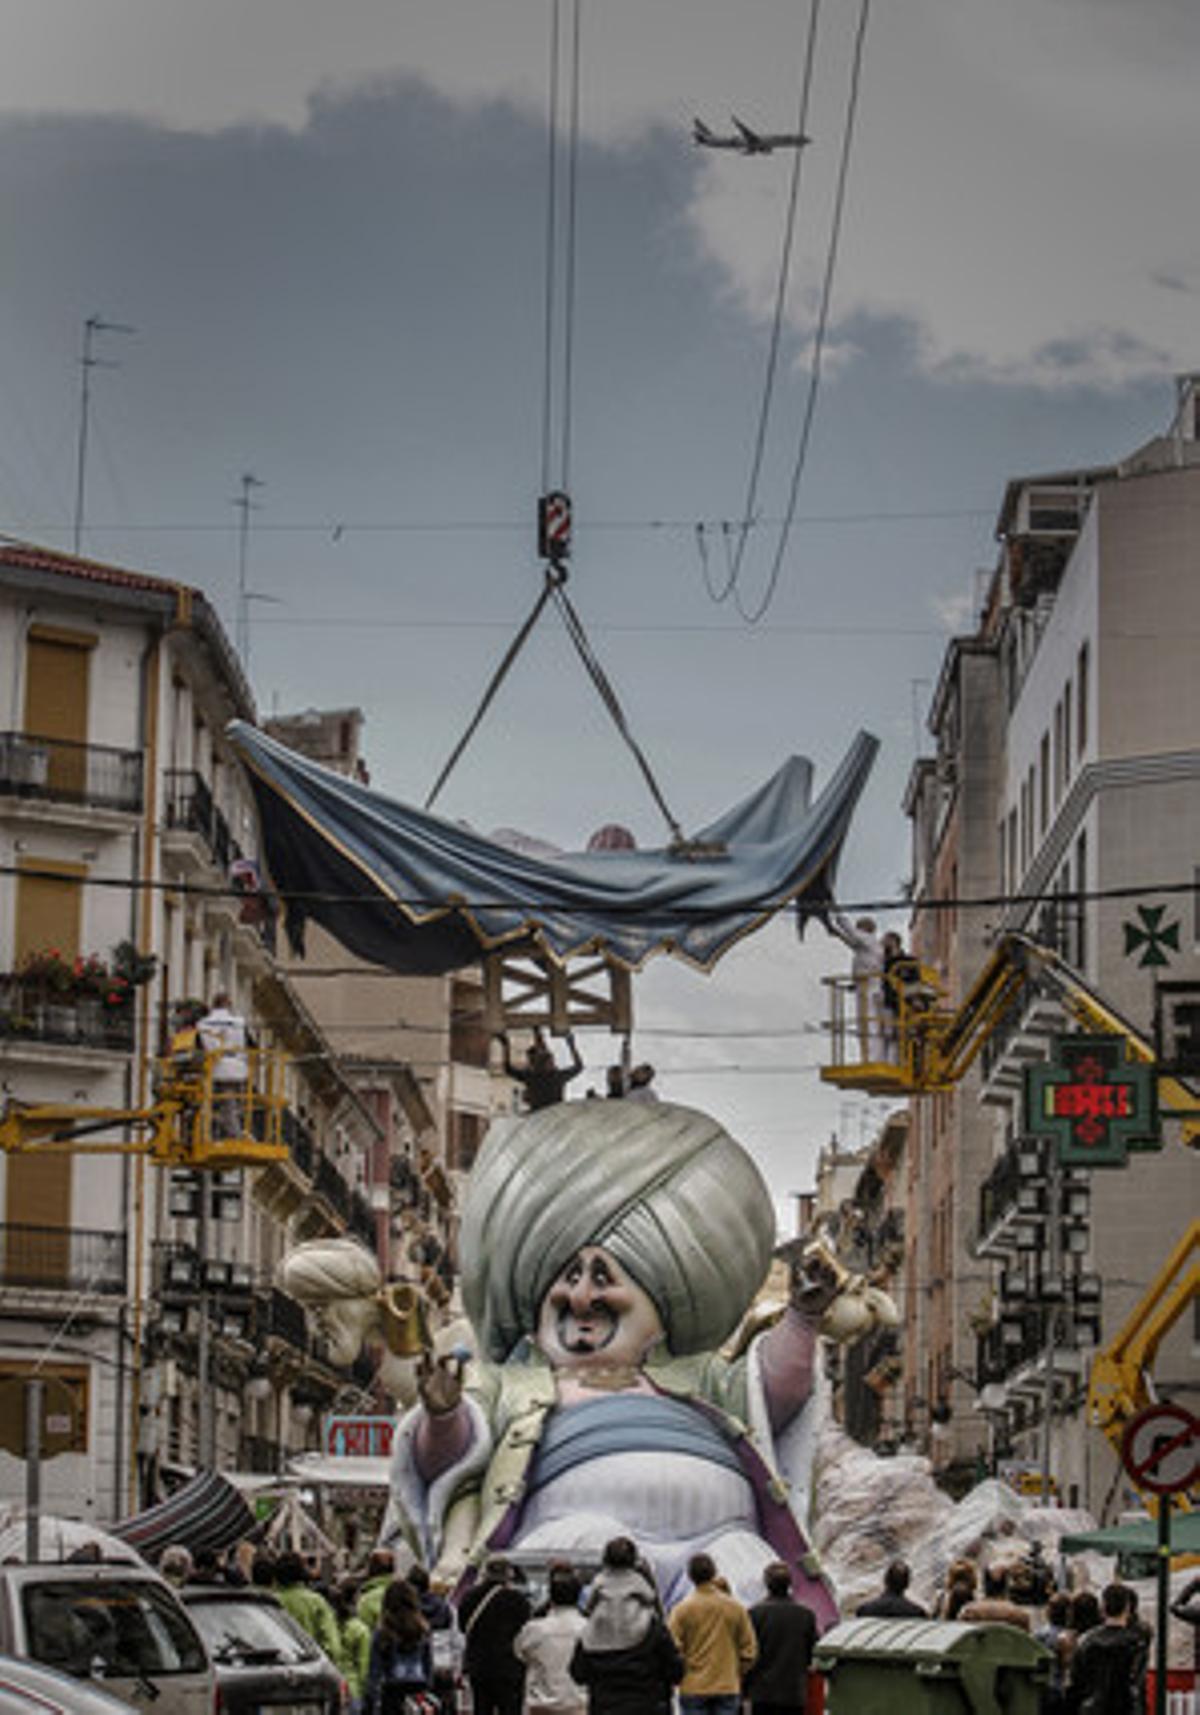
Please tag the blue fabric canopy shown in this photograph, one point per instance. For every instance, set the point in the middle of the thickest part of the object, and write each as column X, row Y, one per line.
column 419, row 894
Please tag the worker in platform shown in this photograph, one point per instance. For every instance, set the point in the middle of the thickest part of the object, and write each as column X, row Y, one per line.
column 866, row 967
column 223, row 1033
column 542, row 1078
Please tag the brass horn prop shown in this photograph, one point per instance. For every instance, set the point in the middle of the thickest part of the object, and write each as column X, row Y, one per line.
column 405, row 1319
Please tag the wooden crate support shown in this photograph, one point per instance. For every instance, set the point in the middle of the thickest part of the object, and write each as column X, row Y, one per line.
column 527, row 993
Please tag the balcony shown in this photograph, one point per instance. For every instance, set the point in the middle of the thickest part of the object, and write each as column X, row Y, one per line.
column 361, row 1220
column 1011, row 1205
column 260, row 1455
column 29, row 1013
column 62, row 1259
column 329, row 1184
column 286, row 1320
column 55, row 770
column 299, row 1139
column 189, row 809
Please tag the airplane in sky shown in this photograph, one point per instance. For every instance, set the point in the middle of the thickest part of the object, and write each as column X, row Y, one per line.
column 746, row 141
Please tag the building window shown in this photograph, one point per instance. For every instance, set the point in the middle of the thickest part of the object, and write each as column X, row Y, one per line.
column 1013, row 870
column 1058, row 755
column 1080, row 902
column 1081, row 708
column 464, row 1135
column 1067, row 757
column 1044, row 783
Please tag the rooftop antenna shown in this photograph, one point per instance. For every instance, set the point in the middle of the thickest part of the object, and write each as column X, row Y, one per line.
column 245, row 506
column 87, row 362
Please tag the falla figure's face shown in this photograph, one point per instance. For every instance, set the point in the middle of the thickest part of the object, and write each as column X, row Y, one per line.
column 596, row 1316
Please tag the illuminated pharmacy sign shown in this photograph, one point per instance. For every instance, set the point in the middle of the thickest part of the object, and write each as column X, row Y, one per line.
column 1094, row 1103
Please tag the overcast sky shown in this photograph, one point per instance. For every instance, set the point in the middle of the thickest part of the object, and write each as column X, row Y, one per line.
column 327, row 226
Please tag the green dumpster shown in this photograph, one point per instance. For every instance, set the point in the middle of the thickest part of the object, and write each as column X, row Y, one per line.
column 930, row 1667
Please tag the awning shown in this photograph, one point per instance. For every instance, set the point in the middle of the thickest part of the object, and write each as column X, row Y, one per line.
column 206, row 1512
column 1140, row 1537
column 351, row 1471
column 419, row 894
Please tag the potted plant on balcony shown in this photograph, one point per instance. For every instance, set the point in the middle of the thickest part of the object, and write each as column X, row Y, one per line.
column 47, row 979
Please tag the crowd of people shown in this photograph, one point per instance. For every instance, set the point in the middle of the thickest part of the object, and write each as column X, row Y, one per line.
column 605, row 1645
column 602, row 1646
column 1100, row 1646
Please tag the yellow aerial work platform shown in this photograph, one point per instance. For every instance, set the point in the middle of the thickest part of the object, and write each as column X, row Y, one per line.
column 192, row 1121
column 919, row 1045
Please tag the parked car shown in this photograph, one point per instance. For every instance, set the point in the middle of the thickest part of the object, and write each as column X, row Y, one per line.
column 26, row 1688
column 120, row 1627
column 264, row 1660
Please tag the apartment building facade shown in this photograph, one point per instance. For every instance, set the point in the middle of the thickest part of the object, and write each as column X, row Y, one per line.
column 128, row 883
column 1070, row 722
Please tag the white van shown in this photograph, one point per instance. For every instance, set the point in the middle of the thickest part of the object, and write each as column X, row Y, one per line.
column 121, row 1627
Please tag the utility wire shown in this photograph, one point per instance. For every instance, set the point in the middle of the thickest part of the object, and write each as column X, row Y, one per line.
column 376, row 902
column 753, row 615
column 781, row 290
column 342, row 527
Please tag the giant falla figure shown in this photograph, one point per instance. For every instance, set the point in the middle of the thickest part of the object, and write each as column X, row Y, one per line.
column 608, row 1250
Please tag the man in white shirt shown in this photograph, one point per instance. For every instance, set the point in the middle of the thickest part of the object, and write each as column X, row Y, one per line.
column 866, row 968
column 223, row 1032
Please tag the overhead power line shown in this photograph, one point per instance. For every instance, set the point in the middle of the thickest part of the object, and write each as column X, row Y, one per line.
column 754, row 614
column 377, row 902
column 338, row 528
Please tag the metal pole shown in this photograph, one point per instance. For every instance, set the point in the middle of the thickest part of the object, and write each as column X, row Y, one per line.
column 34, row 1394
column 206, row 1419
column 91, row 327
column 245, row 506
column 1162, row 1617
column 85, row 394
column 1054, row 1271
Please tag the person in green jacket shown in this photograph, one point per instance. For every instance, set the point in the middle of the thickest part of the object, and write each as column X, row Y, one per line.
column 307, row 1607
column 381, row 1569
column 354, row 1641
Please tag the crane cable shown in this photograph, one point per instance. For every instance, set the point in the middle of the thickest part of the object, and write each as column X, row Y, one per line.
column 555, row 573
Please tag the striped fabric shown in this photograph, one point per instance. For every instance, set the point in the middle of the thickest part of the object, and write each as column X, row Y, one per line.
column 207, row 1512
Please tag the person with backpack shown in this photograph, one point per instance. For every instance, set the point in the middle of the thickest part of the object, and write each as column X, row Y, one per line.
column 401, row 1661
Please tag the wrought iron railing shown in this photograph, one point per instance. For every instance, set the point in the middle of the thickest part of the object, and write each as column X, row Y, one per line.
column 189, row 806
column 299, row 1139
column 330, row 1185
column 260, row 1455
column 1011, row 1345
column 286, row 1320
column 998, row 1193
column 60, row 769
column 62, row 1259
column 32, row 1012
column 361, row 1220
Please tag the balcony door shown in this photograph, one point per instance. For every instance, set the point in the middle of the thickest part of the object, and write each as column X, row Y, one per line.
column 37, row 1188
column 57, row 675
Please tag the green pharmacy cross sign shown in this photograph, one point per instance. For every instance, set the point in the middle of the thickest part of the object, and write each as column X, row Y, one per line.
column 1094, row 1103
column 1156, row 939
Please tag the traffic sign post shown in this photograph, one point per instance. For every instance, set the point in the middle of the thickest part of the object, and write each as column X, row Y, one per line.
column 1161, row 1452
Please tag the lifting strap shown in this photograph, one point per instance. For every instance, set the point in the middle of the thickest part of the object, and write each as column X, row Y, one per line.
column 554, row 587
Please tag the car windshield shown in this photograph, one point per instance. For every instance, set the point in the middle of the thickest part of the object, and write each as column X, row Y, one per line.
column 110, row 1628
column 250, row 1634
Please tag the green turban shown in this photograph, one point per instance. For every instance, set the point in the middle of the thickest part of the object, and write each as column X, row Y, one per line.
column 665, row 1189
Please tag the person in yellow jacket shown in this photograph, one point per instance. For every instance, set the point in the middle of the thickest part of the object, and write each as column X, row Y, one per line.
column 354, row 1642
column 307, row 1607
column 715, row 1637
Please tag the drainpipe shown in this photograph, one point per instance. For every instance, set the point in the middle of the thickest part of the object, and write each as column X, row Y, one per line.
column 142, row 915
